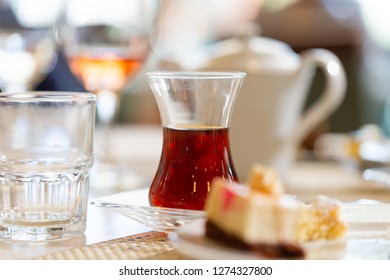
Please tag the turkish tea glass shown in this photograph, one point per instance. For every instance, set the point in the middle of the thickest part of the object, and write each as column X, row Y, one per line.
column 195, row 110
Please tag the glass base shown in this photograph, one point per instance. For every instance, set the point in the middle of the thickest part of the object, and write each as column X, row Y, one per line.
column 22, row 232
column 38, row 206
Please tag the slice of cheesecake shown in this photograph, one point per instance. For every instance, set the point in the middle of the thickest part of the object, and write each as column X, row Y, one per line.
column 260, row 218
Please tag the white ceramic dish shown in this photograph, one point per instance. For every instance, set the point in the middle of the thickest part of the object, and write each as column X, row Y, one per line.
column 191, row 241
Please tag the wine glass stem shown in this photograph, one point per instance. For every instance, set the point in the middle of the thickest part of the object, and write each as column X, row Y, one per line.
column 106, row 103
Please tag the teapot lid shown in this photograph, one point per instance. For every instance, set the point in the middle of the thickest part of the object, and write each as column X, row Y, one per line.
column 251, row 53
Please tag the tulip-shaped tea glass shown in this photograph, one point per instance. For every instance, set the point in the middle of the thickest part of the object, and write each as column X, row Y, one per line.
column 195, row 110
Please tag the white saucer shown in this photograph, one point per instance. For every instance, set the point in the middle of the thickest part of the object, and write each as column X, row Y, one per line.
column 134, row 204
column 192, row 242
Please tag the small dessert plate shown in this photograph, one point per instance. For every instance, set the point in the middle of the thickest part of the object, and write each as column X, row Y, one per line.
column 191, row 241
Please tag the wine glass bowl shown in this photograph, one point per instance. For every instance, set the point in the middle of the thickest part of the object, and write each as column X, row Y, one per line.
column 107, row 42
column 102, row 61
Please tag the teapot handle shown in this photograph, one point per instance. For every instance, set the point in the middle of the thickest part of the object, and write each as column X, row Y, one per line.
column 332, row 95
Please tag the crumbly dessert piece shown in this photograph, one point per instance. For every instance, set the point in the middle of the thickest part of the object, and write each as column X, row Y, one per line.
column 259, row 218
column 265, row 180
column 321, row 220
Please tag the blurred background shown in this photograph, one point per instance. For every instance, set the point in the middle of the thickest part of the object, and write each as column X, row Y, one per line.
column 355, row 30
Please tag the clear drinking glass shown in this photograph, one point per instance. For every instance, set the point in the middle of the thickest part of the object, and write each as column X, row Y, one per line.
column 195, row 110
column 106, row 43
column 46, row 152
column 27, row 45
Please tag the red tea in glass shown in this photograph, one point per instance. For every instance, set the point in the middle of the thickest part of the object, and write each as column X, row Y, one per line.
column 195, row 109
column 191, row 158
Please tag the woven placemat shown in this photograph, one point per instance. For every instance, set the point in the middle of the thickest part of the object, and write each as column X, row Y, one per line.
column 144, row 246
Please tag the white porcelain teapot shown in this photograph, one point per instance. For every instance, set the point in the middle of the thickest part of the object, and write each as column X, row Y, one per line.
column 269, row 121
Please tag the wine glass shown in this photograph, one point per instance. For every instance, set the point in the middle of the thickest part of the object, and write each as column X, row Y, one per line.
column 27, row 45
column 106, row 43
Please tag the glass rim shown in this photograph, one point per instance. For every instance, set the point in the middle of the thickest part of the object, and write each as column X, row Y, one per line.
column 50, row 96
column 196, row 74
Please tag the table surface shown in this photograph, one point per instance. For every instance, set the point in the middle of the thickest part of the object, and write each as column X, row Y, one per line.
column 140, row 147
